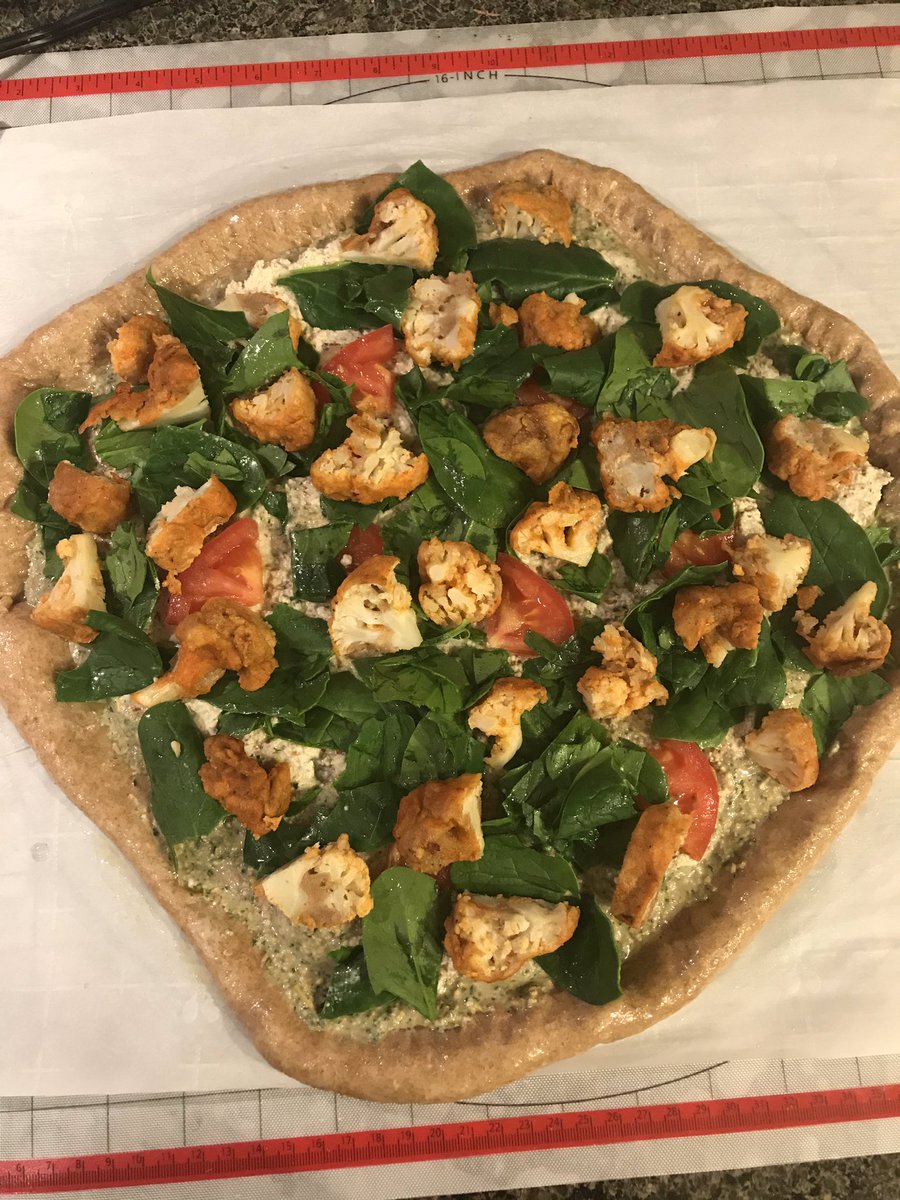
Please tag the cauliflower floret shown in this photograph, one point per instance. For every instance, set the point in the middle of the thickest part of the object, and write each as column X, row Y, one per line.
column 860, row 494
column 555, row 323
column 222, row 636
column 257, row 307
column 372, row 613
column 499, row 716
column 132, row 349
column 325, row 888
column 439, row 823
column 178, row 531
column 459, row 583
column 257, row 797
column 95, row 503
column 775, row 566
column 637, row 457
column 441, row 320
column 813, row 458
column 566, row 527
column 284, row 414
column 850, row 641
column 371, row 465
column 627, row 680
column 490, row 938
column 807, row 596
column 402, row 233
column 719, row 619
column 522, row 211
column 696, row 325
column 785, row 747
column 537, row 438
column 503, row 314
column 78, row 591
column 174, row 393
column 656, row 839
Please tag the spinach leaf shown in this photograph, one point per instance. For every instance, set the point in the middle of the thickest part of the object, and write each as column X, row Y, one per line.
column 132, row 576
column 769, row 399
column 30, row 502
column 510, row 868
column 46, row 431
column 401, row 938
column 268, row 354
column 633, row 387
column 121, row 660
column 521, row 267
column 287, row 695
column 578, row 374
column 387, row 294
column 715, row 398
column 275, row 503
column 173, row 753
column 377, row 751
column 605, row 788
column 333, row 297
column 609, row 848
column 642, row 541
column 494, row 370
column 299, row 637
column 334, row 722
column 366, row 814
column 836, row 396
column 266, row 854
column 123, row 450
column 349, row 512
column 829, row 702
column 590, row 582
column 883, row 543
column 349, row 989
column 587, row 965
column 439, row 748
column 639, row 300
column 189, row 456
column 332, row 425
column 426, row 678
column 315, row 561
column 429, row 513
column 650, row 613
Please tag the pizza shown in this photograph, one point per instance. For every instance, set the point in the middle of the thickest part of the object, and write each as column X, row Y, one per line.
column 464, row 600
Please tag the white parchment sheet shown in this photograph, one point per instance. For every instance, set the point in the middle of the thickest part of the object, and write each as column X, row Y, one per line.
column 100, row 993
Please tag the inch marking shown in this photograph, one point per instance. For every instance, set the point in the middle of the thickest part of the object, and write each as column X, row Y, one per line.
column 431, row 1143
column 393, row 66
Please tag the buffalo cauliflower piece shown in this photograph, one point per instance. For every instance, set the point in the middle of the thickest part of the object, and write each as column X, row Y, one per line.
column 503, row 314
column 655, row 841
column 785, row 747
column 402, row 233
column 627, row 680
column 370, row 466
column 174, row 394
column 284, row 414
column 441, row 319
column 536, row 438
column 257, row 307
column 849, row 641
column 323, row 889
column 178, row 531
column 439, row 823
column 372, row 613
column 257, row 797
column 814, row 459
column 459, row 583
column 555, row 323
column 131, row 351
column 775, row 566
column 222, row 636
column 490, row 938
column 499, row 716
column 567, row 526
column 807, row 596
column 522, row 211
column 718, row 619
column 78, row 591
column 95, row 503
column 696, row 325
column 637, row 458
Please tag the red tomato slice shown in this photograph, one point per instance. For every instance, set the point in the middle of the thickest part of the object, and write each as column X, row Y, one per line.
column 694, row 788
column 362, row 364
column 228, row 566
column 529, row 602
column 362, row 544
column 529, row 393
column 691, row 550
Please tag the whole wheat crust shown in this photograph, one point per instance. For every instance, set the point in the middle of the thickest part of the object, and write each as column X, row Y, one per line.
column 493, row 1048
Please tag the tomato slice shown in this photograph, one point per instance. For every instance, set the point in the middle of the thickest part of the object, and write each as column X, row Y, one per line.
column 361, row 545
column 362, row 364
column 694, row 788
column 530, row 392
column 229, row 566
column 529, row 602
column 691, row 550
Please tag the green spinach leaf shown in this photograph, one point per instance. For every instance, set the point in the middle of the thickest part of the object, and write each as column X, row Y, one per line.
column 639, row 300
column 402, row 938
column 266, row 854
column 521, row 267
column 587, row 965
column 189, row 456
column 173, row 753
column 590, row 582
column 377, row 751
column 334, row 297
column 268, row 354
column 510, row 868
column 439, row 747
column 829, row 702
column 132, row 576
column 30, row 502
column 121, row 660
column 715, row 398
column 46, row 431
column 349, row 990
column 387, row 294
column 366, row 814
column 315, row 561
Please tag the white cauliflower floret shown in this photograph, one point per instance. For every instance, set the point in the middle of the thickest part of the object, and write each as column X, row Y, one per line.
column 813, row 458
column 439, row 823
column 402, row 232
column 178, row 531
column 370, row 466
column 522, row 211
column 655, row 841
column 696, row 325
column 850, row 641
column 283, row 415
column 459, row 583
column 372, row 613
column 490, row 938
column 627, row 680
column 441, row 320
column 718, row 619
column 567, row 526
column 637, row 458
column 785, row 747
column 325, row 888
column 78, row 591
column 860, row 493
column 775, row 566
column 499, row 716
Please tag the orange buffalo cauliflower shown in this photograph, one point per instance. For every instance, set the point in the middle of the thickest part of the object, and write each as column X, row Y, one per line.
column 222, row 636
column 95, row 503
column 441, row 320
column 656, row 839
column 522, row 211
column 323, row 889
column 785, row 747
column 718, row 619
column 78, row 591
column 178, row 531
column 503, row 314
column 637, row 458
column 372, row 613
column 459, row 583
column 499, row 716
column 555, row 323
column 627, row 680
column 490, row 938
column 284, row 414
column 370, row 466
column 566, row 526
column 439, row 823
column 696, row 325
column 174, row 394
column 132, row 349
column 775, row 566
column 813, row 458
column 402, row 233
column 849, row 641
column 537, row 438
column 257, row 797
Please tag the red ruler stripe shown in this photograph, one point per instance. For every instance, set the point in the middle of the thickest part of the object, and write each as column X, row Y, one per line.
column 431, row 1143
column 447, row 62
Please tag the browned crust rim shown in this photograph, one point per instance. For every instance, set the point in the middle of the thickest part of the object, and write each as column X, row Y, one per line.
column 491, row 1049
